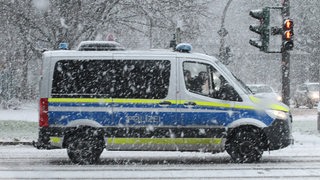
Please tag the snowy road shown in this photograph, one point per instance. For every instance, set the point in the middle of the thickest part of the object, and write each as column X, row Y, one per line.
column 27, row 162
column 299, row 161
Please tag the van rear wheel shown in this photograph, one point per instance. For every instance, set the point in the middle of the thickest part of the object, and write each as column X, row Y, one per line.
column 244, row 146
column 85, row 147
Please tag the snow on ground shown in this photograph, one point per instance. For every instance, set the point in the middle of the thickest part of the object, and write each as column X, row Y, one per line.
column 19, row 124
column 27, row 112
column 19, row 115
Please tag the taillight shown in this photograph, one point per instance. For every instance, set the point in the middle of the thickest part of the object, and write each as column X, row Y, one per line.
column 43, row 112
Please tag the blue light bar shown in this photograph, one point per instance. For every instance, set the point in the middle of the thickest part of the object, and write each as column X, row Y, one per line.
column 184, row 47
column 63, row 46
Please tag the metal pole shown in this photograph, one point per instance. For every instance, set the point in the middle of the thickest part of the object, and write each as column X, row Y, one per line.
column 318, row 119
column 318, row 123
column 150, row 33
column 285, row 62
column 285, row 67
column 178, row 35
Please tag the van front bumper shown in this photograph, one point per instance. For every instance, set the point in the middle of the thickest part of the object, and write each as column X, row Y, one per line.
column 279, row 134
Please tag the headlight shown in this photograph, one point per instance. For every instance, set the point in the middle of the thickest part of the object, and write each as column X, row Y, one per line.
column 279, row 98
column 275, row 114
column 314, row 95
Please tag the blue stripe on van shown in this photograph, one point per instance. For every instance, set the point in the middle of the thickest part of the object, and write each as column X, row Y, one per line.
column 137, row 114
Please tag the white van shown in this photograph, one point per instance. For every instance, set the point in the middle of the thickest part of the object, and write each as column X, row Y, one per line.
column 159, row 100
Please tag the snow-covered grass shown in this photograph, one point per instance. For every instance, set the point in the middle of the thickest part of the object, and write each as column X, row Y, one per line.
column 18, row 131
column 20, row 124
column 23, row 112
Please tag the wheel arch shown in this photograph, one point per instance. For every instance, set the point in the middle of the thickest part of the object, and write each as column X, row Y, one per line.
column 247, row 124
column 80, row 126
column 84, row 122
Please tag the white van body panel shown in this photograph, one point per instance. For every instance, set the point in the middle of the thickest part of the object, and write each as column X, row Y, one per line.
column 183, row 120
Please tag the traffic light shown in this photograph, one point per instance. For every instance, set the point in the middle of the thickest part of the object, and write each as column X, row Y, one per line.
column 263, row 29
column 287, row 36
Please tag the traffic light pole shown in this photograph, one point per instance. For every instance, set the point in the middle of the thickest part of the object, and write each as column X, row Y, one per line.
column 266, row 29
column 285, row 69
column 285, row 61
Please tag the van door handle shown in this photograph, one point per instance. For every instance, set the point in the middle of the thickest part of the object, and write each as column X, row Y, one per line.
column 190, row 103
column 165, row 103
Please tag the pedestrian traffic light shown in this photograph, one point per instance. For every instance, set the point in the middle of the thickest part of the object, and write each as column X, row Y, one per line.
column 263, row 29
column 287, row 36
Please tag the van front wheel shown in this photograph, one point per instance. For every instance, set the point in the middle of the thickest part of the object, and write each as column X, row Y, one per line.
column 244, row 146
column 84, row 147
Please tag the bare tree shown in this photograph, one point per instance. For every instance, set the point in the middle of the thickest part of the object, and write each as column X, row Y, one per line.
column 31, row 29
column 307, row 25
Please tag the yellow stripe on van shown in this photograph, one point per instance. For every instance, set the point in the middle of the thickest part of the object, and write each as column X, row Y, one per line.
column 271, row 106
column 211, row 104
column 141, row 101
column 244, row 107
column 254, row 99
column 164, row 141
column 55, row 139
column 79, row 100
column 157, row 101
column 279, row 107
column 109, row 100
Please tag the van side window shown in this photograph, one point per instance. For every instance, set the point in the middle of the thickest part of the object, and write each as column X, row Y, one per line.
column 204, row 79
column 142, row 79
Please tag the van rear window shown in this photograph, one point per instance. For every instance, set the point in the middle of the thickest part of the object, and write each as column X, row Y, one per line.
column 111, row 78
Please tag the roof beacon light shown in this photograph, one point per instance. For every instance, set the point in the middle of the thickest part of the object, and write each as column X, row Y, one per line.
column 184, row 47
column 63, row 46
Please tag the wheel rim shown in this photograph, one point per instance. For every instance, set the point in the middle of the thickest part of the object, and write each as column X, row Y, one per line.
column 245, row 147
column 84, row 149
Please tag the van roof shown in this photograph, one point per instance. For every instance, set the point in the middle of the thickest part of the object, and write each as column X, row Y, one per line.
column 144, row 53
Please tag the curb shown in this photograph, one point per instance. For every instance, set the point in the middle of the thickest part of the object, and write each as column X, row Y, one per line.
column 15, row 143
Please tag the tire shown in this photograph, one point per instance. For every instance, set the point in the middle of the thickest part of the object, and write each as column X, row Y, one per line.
column 85, row 147
column 245, row 145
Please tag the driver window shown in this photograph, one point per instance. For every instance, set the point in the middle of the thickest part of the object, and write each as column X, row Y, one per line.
column 204, row 79
column 196, row 77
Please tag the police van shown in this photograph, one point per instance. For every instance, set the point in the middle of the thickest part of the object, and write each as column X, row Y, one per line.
column 156, row 100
